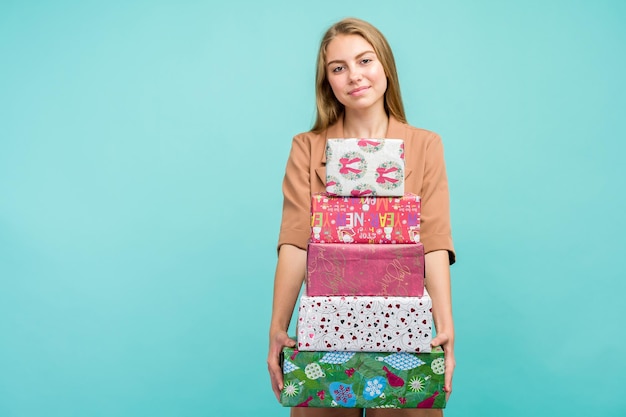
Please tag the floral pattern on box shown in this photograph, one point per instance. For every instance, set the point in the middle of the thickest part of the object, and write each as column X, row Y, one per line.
column 363, row 379
column 374, row 324
column 363, row 269
column 360, row 167
column 365, row 219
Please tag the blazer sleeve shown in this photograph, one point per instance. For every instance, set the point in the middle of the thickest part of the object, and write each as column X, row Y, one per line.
column 295, row 225
column 435, row 214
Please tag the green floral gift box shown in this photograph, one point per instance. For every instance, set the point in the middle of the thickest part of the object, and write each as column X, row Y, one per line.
column 363, row 379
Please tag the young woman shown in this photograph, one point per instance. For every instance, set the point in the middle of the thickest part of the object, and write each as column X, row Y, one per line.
column 358, row 96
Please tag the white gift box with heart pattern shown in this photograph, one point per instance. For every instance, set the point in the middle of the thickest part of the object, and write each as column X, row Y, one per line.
column 365, row 323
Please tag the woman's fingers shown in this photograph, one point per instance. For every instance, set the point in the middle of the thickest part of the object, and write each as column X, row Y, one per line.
column 443, row 340
column 450, row 365
column 276, row 376
column 273, row 361
column 440, row 340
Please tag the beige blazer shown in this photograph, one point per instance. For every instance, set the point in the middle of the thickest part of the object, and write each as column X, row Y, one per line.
column 425, row 176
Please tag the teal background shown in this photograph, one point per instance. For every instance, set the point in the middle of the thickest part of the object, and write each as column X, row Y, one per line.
column 142, row 148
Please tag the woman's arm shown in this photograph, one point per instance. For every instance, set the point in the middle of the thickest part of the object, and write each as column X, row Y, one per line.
column 287, row 283
column 438, row 286
column 292, row 242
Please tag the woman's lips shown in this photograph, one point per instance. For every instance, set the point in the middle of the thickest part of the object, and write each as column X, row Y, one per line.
column 357, row 91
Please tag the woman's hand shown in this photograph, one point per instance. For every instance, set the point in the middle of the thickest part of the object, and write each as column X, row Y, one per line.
column 438, row 286
column 278, row 340
column 287, row 283
column 447, row 343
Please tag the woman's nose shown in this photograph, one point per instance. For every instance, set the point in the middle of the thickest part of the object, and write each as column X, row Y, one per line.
column 355, row 75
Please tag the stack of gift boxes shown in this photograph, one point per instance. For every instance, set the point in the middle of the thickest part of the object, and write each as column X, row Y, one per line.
column 365, row 320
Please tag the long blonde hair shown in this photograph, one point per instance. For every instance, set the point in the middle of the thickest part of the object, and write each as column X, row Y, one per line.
column 329, row 109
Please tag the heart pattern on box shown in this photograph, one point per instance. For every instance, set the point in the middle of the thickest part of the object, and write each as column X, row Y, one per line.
column 374, row 323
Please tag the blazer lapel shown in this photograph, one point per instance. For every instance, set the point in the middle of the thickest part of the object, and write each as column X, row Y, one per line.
column 397, row 130
column 321, row 174
column 334, row 131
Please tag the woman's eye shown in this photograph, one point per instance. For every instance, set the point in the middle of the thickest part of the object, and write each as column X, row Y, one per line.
column 366, row 61
column 337, row 69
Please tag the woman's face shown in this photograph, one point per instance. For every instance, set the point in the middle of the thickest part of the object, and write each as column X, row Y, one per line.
column 355, row 74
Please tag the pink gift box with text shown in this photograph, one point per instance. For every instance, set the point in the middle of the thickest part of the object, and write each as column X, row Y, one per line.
column 365, row 219
column 363, row 269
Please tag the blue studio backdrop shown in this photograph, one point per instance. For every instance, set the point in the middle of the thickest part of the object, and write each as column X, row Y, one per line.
column 142, row 149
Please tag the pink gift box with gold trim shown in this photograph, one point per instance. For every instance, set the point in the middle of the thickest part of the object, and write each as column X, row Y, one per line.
column 362, row 269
